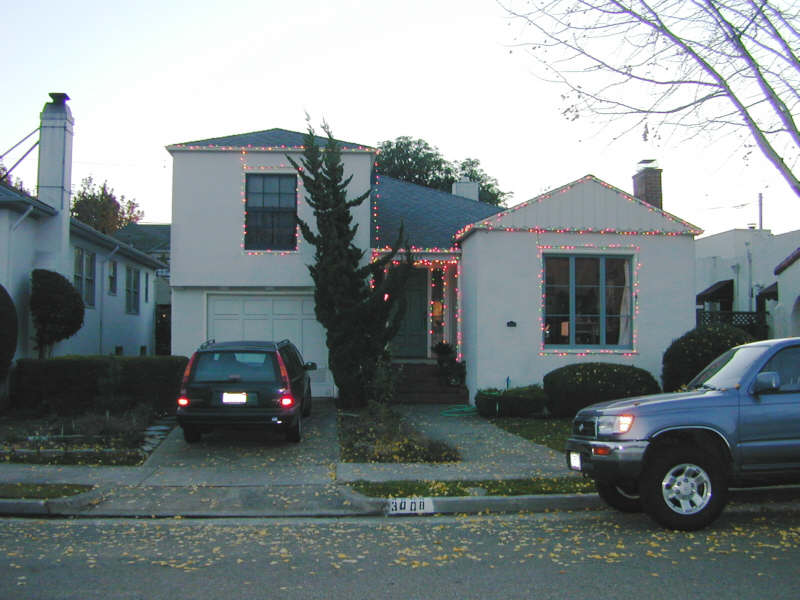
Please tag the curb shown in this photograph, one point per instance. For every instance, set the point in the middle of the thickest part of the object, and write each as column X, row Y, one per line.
column 66, row 506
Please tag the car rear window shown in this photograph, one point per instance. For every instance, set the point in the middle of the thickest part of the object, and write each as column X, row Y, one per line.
column 235, row 366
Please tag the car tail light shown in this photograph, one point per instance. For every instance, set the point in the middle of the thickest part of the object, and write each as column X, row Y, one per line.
column 601, row 450
column 284, row 371
column 286, row 401
column 186, row 373
column 183, row 401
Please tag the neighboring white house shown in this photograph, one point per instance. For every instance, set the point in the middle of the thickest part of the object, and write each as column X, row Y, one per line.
column 586, row 272
column 786, row 318
column 736, row 275
column 114, row 279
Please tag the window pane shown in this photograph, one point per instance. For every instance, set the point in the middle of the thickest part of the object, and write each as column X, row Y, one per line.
column 556, row 270
column 587, row 271
column 271, row 185
column 587, row 330
column 587, row 300
column 616, row 271
column 556, row 330
column 288, row 201
column 255, row 183
column 617, row 301
column 557, row 300
column 288, row 185
column 272, row 200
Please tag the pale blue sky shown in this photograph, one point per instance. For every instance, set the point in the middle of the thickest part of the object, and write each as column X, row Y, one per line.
column 145, row 74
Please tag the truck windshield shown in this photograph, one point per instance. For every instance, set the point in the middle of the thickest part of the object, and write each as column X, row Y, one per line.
column 728, row 369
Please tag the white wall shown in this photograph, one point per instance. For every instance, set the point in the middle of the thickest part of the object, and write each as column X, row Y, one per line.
column 786, row 315
column 207, row 233
column 748, row 256
column 500, row 282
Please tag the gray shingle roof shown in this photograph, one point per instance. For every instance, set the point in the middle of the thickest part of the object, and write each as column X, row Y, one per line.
column 151, row 238
column 430, row 217
column 270, row 138
column 20, row 202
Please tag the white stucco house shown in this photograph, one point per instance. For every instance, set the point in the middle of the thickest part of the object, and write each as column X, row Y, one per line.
column 786, row 313
column 735, row 279
column 586, row 272
column 114, row 279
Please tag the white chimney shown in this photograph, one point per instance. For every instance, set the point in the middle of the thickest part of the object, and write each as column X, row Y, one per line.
column 467, row 189
column 54, row 183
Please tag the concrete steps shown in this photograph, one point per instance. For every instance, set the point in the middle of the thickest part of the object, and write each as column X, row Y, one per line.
column 420, row 383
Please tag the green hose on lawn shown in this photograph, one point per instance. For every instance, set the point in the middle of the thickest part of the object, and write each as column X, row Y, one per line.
column 459, row 410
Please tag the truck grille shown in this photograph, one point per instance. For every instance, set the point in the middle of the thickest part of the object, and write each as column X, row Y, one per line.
column 584, row 428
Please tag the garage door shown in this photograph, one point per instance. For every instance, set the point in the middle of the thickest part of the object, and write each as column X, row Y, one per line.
column 273, row 317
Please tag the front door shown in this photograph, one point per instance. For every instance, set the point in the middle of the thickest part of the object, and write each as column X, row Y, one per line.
column 411, row 340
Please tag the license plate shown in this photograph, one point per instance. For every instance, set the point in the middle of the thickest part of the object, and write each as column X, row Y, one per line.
column 575, row 461
column 234, row 398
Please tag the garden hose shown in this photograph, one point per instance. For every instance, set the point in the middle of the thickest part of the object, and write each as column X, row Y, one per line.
column 457, row 411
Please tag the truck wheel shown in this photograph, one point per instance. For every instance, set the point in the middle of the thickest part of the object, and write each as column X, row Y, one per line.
column 684, row 488
column 622, row 496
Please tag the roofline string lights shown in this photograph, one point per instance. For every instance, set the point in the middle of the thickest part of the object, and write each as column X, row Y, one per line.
column 493, row 223
column 615, row 250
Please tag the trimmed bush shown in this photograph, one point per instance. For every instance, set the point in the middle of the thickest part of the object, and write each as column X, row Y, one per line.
column 515, row 402
column 56, row 307
column 693, row 351
column 573, row 387
column 8, row 331
column 75, row 385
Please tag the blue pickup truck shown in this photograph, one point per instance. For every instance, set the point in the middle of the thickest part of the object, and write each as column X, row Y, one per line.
column 675, row 455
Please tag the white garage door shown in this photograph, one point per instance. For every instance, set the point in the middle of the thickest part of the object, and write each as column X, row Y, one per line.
column 234, row 317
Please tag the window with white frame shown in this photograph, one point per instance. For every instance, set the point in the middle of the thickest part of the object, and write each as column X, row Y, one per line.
column 83, row 277
column 588, row 301
column 270, row 212
column 131, row 290
column 112, row 277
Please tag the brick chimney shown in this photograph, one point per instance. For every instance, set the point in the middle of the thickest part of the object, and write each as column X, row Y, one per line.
column 647, row 183
column 54, row 181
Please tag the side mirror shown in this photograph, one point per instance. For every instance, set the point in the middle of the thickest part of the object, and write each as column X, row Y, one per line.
column 310, row 366
column 767, row 381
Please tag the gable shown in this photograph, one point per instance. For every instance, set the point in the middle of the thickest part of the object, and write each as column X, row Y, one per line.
column 587, row 205
column 269, row 139
column 430, row 218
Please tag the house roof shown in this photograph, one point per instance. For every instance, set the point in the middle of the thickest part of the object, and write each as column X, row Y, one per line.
column 19, row 201
column 788, row 262
column 269, row 139
column 430, row 217
column 151, row 238
column 587, row 205
column 80, row 229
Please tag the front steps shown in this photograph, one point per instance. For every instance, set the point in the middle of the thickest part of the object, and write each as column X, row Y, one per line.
column 420, row 383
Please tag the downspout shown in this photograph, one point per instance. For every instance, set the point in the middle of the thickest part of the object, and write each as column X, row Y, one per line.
column 749, row 278
column 103, row 297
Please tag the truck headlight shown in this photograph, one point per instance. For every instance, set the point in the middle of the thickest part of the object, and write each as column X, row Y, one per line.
column 614, row 425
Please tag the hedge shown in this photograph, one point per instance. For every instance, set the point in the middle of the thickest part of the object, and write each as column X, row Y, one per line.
column 76, row 385
column 573, row 387
column 514, row 402
column 694, row 350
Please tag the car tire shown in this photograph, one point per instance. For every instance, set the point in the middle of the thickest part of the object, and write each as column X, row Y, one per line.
column 307, row 405
column 622, row 496
column 295, row 432
column 684, row 488
column 191, row 434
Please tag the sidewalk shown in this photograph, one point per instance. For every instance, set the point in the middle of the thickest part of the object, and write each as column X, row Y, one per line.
column 248, row 474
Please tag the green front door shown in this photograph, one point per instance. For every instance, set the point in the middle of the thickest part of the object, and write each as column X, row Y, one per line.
column 411, row 340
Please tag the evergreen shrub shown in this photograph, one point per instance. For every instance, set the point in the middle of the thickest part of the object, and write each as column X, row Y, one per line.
column 525, row 401
column 693, row 351
column 573, row 387
column 8, row 331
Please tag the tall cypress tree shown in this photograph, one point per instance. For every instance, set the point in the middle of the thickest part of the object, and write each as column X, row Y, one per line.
column 360, row 305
